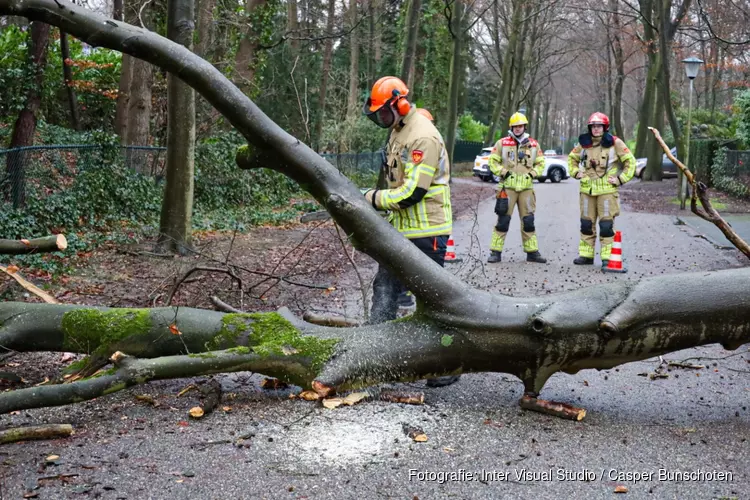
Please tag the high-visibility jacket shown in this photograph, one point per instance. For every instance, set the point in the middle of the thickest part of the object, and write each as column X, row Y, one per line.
column 417, row 172
column 519, row 158
column 596, row 159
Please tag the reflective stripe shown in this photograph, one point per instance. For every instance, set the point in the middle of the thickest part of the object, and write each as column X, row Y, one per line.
column 498, row 241
column 443, row 229
column 585, row 250
column 531, row 245
column 606, row 251
column 585, row 207
column 606, row 209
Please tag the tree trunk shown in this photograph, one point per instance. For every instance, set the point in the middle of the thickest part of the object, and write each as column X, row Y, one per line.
column 455, row 81
column 501, row 110
column 177, row 205
column 455, row 329
column 620, row 68
column 139, row 115
column 25, row 125
column 411, row 27
column 353, row 104
column 378, row 42
column 646, row 109
column 245, row 63
column 68, row 81
column 126, row 12
column 653, row 170
column 325, row 73
column 205, row 28
column 292, row 25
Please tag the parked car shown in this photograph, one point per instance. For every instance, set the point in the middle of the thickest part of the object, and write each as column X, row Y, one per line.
column 482, row 167
column 550, row 152
column 668, row 168
column 555, row 169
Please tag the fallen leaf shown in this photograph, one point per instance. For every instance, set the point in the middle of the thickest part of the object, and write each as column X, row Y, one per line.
column 31, row 494
column 355, row 398
column 196, row 412
column 226, row 408
column 182, row 423
column 12, row 269
column 331, row 288
column 586, row 383
column 52, row 458
column 446, row 340
column 175, row 331
column 67, row 356
column 332, row 403
column 420, row 438
column 309, row 395
column 180, row 481
column 621, row 489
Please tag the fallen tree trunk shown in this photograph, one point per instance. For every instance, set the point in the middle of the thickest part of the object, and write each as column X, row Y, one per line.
column 531, row 338
column 53, row 243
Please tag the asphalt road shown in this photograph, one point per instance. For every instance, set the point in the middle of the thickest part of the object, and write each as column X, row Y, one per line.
column 637, row 434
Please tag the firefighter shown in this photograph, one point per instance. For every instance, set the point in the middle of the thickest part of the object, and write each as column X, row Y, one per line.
column 405, row 297
column 417, row 194
column 516, row 159
column 603, row 163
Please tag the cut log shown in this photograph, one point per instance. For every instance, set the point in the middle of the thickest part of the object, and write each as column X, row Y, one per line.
column 53, row 243
column 561, row 410
column 52, row 431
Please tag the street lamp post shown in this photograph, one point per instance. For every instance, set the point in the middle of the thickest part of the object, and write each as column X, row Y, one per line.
column 692, row 65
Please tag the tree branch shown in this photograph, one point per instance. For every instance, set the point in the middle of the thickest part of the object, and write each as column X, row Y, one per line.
column 53, row 243
column 700, row 191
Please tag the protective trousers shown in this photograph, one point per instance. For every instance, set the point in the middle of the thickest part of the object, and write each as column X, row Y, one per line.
column 507, row 199
column 605, row 208
column 386, row 287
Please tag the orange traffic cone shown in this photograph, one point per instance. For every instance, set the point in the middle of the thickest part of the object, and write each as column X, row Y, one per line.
column 615, row 259
column 450, row 253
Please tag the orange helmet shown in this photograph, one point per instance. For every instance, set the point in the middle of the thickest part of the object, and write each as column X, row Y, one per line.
column 425, row 113
column 387, row 93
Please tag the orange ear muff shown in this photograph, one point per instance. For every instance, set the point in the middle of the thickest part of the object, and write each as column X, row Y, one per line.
column 403, row 106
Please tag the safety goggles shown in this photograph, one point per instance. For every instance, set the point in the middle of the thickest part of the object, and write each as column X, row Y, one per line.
column 383, row 116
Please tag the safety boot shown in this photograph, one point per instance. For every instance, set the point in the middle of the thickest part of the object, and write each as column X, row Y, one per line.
column 495, row 256
column 535, row 257
column 583, row 261
column 605, row 263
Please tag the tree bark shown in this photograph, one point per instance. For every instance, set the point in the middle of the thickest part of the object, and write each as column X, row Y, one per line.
column 53, row 243
column 205, row 30
column 138, row 128
column 411, row 27
column 245, row 60
column 353, row 104
column 177, row 205
column 68, row 82
column 325, row 72
column 124, row 12
column 620, row 68
column 25, row 125
column 455, row 328
column 34, row 432
column 292, row 25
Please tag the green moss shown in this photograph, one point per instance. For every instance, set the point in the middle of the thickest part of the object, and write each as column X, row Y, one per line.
column 76, row 366
column 239, row 350
column 232, row 325
column 274, row 335
column 202, row 355
column 87, row 329
column 116, row 387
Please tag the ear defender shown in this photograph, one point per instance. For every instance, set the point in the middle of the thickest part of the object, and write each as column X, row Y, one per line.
column 402, row 105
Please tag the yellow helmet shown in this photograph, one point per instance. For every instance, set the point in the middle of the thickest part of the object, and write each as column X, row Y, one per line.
column 518, row 119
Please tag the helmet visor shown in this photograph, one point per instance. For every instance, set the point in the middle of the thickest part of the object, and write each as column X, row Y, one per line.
column 382, row 117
